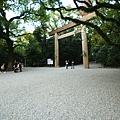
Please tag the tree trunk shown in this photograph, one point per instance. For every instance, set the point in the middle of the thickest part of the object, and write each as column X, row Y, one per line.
column 10, row 61
column 10, row 55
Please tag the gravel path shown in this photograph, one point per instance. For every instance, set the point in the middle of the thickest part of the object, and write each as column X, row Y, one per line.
column 60, row 94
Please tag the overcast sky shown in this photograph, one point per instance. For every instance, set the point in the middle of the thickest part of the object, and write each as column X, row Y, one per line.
column 67, row 2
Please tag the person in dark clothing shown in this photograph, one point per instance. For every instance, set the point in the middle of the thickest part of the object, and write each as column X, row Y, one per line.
column 20, row 67
column 15, row 67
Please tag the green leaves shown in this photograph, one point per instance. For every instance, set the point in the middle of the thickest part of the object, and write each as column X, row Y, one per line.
column 107, row 56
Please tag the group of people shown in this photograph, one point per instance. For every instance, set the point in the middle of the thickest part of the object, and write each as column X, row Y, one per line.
column 17, row 67
column 66, row 64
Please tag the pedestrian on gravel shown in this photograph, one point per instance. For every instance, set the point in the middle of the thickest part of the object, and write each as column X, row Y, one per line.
column 66, row 64
column 72, row 65
column 20, row 67
column 3, row 68
column 16, row 66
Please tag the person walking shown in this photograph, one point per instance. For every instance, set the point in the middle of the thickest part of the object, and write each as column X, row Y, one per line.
column 72, row 65
column 15, row 67
column 3, row 68
column 20, row 67
column 66, row 64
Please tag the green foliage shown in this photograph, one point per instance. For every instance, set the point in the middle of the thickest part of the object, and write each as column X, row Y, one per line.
column 101, row 55
column 3, row 53
column 30, row 48
column 3, row 57
column 38, row 34
column 110, row 27
column 50, row 48
column 107, row 55
column 113, row 57
column 18, row 56
column 33, row 52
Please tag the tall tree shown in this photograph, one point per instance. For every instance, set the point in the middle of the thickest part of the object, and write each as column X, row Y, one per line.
column 13, row 16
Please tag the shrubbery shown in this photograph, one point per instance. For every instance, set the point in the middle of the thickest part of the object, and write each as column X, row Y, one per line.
column 108, row 56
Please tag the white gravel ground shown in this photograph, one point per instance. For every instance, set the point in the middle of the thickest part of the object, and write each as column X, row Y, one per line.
column 59, row 94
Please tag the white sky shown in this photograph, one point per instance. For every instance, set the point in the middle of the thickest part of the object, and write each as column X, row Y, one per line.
column 67, row 2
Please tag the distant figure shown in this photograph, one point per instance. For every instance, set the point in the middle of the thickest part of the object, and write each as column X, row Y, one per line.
column 15, row 67
column 72, row 65
column 3, row 68
column 66, row 64
column 20, row 67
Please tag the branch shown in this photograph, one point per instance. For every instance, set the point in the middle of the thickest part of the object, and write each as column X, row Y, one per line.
column 2, row 12
column 89, row 8
column 100, row 32
column 19, row 35
column 17, row 45
column 107, row 5
column 97, row 13
column 78, row 22
column 108, row 19
column 21, row 16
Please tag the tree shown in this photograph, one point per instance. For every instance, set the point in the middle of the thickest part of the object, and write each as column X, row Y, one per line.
column 108, row 56
column 11, row 26
column 3, row 53
column 107, row 12
column 33, row 51
column 40, row 36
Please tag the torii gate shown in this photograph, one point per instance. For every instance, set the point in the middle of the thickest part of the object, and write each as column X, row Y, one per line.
column 84, row 39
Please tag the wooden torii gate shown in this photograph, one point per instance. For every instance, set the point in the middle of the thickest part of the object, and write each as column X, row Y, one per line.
column 84, row 39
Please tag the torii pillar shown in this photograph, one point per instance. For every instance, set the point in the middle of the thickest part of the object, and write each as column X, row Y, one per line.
column 84, row 47
column 84, row 39
column 56, row 50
